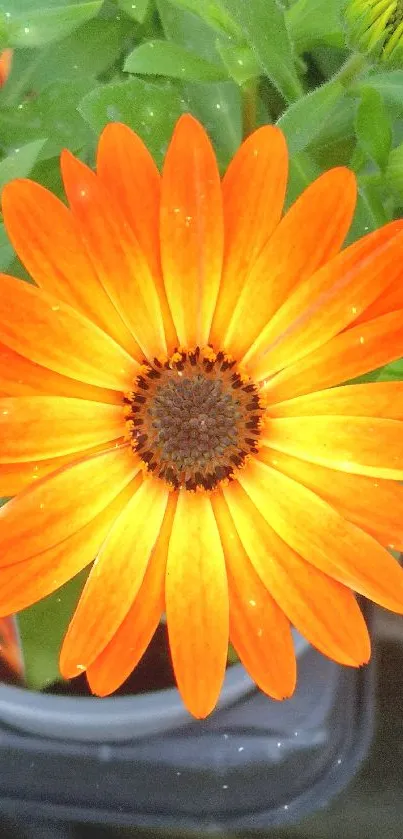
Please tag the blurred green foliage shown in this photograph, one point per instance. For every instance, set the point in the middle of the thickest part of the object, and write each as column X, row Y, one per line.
column 80, row 64
column 234, row 64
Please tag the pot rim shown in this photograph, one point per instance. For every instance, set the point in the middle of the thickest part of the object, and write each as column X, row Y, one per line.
column 114, row 718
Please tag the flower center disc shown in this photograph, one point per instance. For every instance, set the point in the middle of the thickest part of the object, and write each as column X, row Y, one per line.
column 194, row 418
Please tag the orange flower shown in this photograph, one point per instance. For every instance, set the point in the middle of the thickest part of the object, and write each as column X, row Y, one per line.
column 168, row 407
column 6, row 57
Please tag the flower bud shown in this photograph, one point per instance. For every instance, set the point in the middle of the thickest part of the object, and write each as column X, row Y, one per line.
column 375, row 28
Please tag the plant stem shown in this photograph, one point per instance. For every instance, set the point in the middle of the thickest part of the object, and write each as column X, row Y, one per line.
column 249, row 107
column 351, row 69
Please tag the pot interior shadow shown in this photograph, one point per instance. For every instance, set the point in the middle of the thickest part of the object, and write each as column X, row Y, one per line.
column 154, row 672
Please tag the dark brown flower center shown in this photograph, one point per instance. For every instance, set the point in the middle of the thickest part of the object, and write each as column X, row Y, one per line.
column 194, row 419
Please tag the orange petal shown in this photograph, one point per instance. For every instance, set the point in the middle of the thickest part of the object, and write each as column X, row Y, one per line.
column 192, row 236
column 373, row 504
column 197, row 603
column 125, row 649
column 20, row 377
column 57, row 506
column 323, row 610
column 116, row 254
column 253, row 195
column 42, row 574
column 115, row 579
column 259, row 630
column 126, row 168
column 323, row 537
column 50, row 426
column 49, row 332
column 354, row 352
column 362, row 445
column 378, row 399
column 6, row 59
column 327, row 302
column 390, row 300
column 47, row 241
column 14, row 477
column 308, row 236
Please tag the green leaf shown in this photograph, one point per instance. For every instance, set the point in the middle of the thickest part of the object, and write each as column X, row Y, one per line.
column 150, row 109
column 263, row 26
column 218, row 107
column 136, row 9
column 213, row 13
column 40, row 26
column 391, row 372
column 335, row 141
column 314, row 22
column 89, row 51
column 302, row 171
column 373, row 127
column 303, row 120
column 19, row 163
column 53, row 114
column 369, row 214
column 6, row 258
column 188, row 31
column 42, row 628
column 162, row 58
column 394, row 171
column 240, row 62
column 389, row 86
